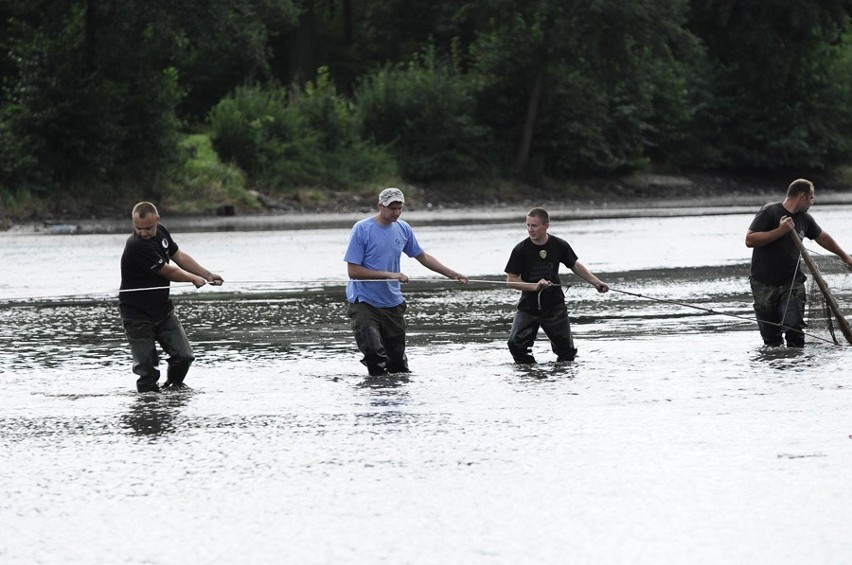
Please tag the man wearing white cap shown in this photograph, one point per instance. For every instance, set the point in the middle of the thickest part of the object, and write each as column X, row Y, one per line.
column 377, row 309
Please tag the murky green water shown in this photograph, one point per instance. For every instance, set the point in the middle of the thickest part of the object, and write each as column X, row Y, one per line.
column 674, row 437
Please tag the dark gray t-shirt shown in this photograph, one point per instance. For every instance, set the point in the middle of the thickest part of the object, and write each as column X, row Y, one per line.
column 777, row 262
column 535, row 262
column 140, row 268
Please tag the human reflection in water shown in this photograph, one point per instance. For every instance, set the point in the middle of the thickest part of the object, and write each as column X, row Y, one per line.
column 388, row 396
column 782, row 358
column 386, row 381
column 543, row 371
column 387, row 389
column 155, row 415
column 387, row 404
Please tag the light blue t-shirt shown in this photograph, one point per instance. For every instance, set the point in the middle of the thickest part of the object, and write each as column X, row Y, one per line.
column 379, row 248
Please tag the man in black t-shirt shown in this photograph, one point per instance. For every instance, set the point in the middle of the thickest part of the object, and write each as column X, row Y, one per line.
column 533, row 268
column 148, row 315
column 777, row 280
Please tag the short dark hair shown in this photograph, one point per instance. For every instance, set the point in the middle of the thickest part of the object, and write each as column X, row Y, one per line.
column 142, row 209
column 540, row 213
column 799, row 186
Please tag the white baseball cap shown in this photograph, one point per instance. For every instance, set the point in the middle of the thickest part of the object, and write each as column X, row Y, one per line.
column 389, row 195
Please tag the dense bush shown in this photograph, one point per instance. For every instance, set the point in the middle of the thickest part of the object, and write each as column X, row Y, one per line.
column 332, row 119
column 18, row 166
column 251, row 126
column 516, row 88
column 424, row 112
column 204, row 183
column 779, row 97
column 72, row 120
column 307, row 139
column 585, row 87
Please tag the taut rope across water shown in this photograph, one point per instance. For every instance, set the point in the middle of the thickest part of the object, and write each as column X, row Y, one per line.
column 430, row 280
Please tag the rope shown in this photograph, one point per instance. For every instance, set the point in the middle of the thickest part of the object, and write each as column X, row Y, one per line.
column 718, row 313
column 652, row 298
column 430, row 280
column 792, row 284
column 124, row 290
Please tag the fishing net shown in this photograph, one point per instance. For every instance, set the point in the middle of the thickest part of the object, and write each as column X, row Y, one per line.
column 822, row 322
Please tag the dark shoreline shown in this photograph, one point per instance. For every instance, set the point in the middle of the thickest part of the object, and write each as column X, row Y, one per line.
column 560, row 212
column 637, row 196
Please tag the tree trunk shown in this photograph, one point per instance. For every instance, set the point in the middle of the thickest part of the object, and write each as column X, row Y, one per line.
column 523, row 156
column 348, row 34
column 89, row 38
column 302, row 52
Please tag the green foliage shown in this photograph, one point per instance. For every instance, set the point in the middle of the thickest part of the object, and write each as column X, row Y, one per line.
column 424, row 112
column 18, row 167
column 308, row 139
column 95, row 93
column 779, row 94
column 333, row 121
column 396, row 30
column 331, row 116
column 613, row 81
column 205, row 183
column 247, row 126
column 82, row 115
column 224, row 45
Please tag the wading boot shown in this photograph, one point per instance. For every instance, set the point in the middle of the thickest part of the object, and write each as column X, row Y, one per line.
column 147, row 386
column 172, row 386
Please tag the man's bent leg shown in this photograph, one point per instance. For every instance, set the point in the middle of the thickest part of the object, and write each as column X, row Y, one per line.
column 398, row 360
column 393, row 334
column 175, row 343
column 766, row 307
column 522, row 337
column 364, row 321
column 141, row 337
column 557, row 326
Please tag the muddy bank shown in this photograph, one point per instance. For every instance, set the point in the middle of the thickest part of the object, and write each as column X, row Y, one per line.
column 641, row 195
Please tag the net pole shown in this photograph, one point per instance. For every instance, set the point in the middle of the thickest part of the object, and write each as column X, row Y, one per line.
column 829, row 298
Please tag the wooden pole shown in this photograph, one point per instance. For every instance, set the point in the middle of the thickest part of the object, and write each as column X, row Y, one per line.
column 829, row 299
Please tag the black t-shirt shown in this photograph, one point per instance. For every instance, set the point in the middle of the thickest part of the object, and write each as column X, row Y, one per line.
column 777, row 262
column 535, row 262
column 140, row 266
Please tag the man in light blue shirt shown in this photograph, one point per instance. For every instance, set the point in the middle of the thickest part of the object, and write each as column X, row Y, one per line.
column 377, row 308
